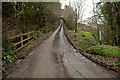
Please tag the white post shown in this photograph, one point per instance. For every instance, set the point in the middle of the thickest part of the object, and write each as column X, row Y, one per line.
column 100, row 37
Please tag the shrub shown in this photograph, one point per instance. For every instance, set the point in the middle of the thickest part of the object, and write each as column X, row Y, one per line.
column 70, row 32
column 8, row 54
column 40, row 33
column 85, row 33
column 85, row 40
column 106, row 50
column 95, row 50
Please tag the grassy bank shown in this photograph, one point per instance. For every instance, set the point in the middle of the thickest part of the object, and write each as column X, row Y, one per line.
column 87, row 43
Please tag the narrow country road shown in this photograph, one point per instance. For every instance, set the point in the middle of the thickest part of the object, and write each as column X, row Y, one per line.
column 56, row 58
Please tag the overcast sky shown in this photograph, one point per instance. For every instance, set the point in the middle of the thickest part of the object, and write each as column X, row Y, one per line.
column 88, row 7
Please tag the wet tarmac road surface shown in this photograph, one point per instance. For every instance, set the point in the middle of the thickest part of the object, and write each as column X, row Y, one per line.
column 56, row 58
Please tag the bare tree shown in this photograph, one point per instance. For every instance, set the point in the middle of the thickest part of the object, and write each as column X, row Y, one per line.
column 96, row 20
column 79, row 11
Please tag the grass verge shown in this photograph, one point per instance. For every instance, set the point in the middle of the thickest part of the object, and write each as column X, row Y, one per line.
column 106, row 55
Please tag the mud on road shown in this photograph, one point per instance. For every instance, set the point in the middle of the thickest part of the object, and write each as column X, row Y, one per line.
column 57, row 58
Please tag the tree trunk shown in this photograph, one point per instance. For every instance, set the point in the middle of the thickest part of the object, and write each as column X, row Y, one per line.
column 107, row 33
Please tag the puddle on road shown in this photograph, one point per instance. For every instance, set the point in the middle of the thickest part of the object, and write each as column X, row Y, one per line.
column 75, row 50
column 66, row 60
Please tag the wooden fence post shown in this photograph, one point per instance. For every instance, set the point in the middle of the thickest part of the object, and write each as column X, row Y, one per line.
column 34, row 35
column 21, row 39
column 8, row 37
column 28, row 37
